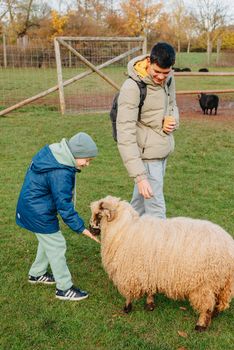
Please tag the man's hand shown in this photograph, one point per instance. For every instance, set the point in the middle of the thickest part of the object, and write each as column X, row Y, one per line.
column 145, row 189
column 89, row 234
column 169, row 124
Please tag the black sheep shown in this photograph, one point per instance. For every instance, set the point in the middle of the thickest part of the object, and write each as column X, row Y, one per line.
column 203, row 70
column 208, row 102
column 186, row 70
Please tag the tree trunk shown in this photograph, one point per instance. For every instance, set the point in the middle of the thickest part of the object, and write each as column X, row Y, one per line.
column 178, row 45
column 209, row 49
column 189, row 44
column 219, row 43
column 4, row 50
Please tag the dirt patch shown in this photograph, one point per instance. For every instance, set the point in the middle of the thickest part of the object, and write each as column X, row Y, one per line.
column 190, row 109
column 188, row 106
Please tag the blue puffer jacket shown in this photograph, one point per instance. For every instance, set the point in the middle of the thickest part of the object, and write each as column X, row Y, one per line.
column 47, row 191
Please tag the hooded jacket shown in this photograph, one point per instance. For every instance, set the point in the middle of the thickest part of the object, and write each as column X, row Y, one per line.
column 48, row 190
column 144, row 140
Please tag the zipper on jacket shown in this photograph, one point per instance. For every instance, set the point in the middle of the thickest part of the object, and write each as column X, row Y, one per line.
column 145, row 141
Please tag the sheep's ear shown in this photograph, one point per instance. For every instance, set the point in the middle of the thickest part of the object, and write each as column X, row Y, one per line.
column 107, row 211
column 111, row 215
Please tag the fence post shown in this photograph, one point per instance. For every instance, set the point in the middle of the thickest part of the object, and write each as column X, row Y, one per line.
column 4, row 50
column 129, row 47
column 70, row 56
column 60, row 78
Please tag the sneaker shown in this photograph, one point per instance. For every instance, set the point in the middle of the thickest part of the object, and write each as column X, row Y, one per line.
column 45, row 279
column 72, row 293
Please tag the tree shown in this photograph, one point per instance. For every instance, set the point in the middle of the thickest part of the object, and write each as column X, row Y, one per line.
column 58, row 22
column 21, row 15
column 162, row 30
column 190, row 29
column 140, row 15
column 178, row 21
column 116, row 24
column 211, row 15
column 228, row 38
column 95, row 9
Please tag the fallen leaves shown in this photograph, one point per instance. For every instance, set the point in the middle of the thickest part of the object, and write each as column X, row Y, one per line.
column 183, row 308
column 182, row 334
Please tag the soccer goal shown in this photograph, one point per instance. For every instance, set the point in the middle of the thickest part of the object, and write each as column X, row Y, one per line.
column 96, row 67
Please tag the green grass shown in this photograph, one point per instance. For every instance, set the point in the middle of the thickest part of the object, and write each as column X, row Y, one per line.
column 198, row 183
column 194, row 60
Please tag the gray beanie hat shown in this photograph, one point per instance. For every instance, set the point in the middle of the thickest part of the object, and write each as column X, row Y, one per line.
column 82, row 145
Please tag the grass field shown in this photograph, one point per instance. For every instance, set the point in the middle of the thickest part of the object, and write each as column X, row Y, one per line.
column 198, row 183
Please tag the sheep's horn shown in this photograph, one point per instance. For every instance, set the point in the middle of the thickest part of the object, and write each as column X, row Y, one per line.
column 110, row 211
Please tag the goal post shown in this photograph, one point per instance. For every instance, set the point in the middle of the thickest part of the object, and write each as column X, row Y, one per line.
column 139, row 44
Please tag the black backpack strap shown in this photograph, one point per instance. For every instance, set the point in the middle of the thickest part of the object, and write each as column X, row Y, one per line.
column 143, row 92
column 169, row 82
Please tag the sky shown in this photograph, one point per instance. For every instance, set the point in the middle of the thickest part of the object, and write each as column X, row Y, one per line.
column 61, row 5
column 190, row 4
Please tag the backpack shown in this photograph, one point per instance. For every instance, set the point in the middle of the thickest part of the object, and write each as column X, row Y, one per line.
column 114, row 108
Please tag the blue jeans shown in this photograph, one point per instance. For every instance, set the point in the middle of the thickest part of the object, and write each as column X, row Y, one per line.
column 155, row 205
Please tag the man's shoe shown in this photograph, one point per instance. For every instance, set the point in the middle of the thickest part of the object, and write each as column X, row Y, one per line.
column 45, row 279
column 72, row 293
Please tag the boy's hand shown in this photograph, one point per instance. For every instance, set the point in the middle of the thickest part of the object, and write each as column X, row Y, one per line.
column 89, row 234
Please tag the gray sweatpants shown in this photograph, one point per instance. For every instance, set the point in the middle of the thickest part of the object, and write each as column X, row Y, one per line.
column 156, row 205
column 51, row 250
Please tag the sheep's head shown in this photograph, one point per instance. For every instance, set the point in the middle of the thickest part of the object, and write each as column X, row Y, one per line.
column 103, row 209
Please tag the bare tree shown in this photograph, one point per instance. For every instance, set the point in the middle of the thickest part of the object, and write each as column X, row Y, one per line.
column 178, row 19
column 7, row 9
column 189, row 29
column 211, row 15
column 26, row 23
column 21, row 15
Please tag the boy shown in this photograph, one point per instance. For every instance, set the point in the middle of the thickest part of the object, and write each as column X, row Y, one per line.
column 48, row 189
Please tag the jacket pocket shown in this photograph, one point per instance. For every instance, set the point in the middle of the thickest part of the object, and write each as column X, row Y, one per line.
column 142, row 136
column 158, row 146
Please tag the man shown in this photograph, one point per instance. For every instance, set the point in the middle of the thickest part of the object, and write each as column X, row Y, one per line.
column 145, row 144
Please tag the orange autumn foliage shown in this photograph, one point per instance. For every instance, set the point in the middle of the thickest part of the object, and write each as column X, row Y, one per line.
column 58, row 23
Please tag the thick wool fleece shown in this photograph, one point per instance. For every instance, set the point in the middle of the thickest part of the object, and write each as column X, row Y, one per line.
column 180, row 257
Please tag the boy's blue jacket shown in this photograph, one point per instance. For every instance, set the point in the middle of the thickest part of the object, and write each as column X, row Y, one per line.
column 47, row 190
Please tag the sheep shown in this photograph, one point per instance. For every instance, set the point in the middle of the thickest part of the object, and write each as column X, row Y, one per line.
column 208, row 102
column 203, row 70
column 180, row 257
column 185, row 69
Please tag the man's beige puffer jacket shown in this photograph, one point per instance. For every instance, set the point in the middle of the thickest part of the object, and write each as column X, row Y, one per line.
column 144, row 139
